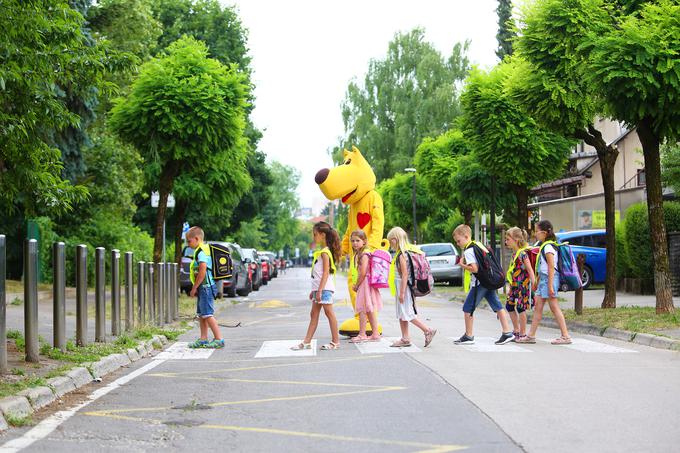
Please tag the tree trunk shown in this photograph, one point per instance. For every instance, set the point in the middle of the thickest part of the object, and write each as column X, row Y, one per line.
column 522, row 195
column 467, row 216
column 607, row 156
column 165, row 187
column 657, row 227
column 180, row 214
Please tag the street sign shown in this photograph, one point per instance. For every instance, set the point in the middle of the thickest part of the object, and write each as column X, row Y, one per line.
column 155, row 197
column 297, row 252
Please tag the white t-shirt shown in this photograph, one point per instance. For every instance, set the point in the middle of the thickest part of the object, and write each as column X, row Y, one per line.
column 469, row 255
column 549, row 248
column 317, row 274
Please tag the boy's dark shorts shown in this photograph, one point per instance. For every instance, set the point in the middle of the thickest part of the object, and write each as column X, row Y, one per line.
column 514, row 307
column 475, row 296
column 205, row 302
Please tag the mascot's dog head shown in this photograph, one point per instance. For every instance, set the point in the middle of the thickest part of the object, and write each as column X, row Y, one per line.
column 349, row 181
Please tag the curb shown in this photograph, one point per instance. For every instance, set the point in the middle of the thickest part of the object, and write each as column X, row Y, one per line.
column 645, row 339
column 26, row 402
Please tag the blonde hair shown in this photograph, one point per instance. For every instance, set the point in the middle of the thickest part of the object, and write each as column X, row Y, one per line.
column 195, row 232
column 518, row 235
column 361, row 234
column 400, row 236
column 463, row 230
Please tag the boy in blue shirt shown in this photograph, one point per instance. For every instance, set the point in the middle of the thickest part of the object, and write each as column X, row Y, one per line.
column 204, row 287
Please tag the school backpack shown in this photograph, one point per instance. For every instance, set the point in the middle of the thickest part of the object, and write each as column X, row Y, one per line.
column 379, row 268
column 532, row 253
column 420, row 280
column 489, row 271
column 570, row 277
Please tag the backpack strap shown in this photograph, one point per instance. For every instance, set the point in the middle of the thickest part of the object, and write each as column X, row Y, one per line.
column 205, row 248
column 541, row 253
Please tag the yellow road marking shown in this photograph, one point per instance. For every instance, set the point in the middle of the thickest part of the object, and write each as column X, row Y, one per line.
column 261, row 367
column 274, row 303
column 421, row 446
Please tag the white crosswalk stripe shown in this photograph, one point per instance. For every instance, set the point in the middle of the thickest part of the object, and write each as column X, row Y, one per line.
column 383, row 346
column 182, row 351
column 281, row 348
column 486, row 344
column 588, row 346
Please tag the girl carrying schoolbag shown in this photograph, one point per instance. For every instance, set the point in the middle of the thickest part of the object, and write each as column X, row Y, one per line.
column 379, row 267
column 420, row 281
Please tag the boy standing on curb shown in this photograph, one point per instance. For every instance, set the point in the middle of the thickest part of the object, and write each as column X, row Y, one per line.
column 461, row 235
column 204, row 287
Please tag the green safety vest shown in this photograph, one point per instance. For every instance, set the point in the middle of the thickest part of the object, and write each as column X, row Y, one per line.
column 318, row 253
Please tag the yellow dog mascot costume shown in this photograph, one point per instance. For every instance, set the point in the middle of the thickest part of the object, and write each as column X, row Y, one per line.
column 354, row 184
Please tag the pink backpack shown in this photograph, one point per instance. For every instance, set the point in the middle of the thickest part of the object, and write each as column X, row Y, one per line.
column 420, row 280
column 379, row 268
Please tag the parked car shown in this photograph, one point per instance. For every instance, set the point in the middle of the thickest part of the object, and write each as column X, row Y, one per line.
column 591, row 243
column 274, row 269
column 250, row 257
column 443, row 259
column 240, row 282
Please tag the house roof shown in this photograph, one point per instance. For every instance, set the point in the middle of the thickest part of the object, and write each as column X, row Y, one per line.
column 559, row 183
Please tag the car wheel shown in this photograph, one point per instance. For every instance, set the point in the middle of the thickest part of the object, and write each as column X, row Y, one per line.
column 245, row 291
column 586, row 277
column 265, row 282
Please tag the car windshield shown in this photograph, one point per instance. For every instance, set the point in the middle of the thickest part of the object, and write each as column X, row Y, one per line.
column 437, row 250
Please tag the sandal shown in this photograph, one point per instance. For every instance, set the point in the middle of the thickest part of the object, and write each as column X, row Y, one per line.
column 359, row 339
column 429, row 336
column 374, row 339
column 401, row 343
column 561, row 340
column 301, row 346
column 330, row 346
column 526, row 339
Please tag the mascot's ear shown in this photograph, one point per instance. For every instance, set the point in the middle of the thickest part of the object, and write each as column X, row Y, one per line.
column 345, row 153
column 356, row 150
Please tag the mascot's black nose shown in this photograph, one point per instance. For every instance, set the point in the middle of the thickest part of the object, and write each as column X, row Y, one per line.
column 321, row 175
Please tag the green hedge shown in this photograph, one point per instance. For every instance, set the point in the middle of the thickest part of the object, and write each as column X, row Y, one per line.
column 638, row 250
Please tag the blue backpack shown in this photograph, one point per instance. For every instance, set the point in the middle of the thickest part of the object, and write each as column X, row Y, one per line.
column 570, row 277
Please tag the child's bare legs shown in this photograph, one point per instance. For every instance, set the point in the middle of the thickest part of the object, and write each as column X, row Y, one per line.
column 559, row 316
column 538, row 314
column 333, row 322
column 469, row 322
column 211, row 323
column 503, row 317
column 515, row 321
column 373, row 319
column 420, row 324
column 522, row 323
column 403, row 325
column 313, row 322
column 362, row 324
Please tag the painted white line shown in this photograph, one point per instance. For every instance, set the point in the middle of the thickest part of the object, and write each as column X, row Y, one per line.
column 486, row 344
column 45, row 427
column 281, row 348
column 182, row 351
column 588, row 346
column 383, row 346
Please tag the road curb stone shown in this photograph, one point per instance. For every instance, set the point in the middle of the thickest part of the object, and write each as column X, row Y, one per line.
column 39, row 396
column 618, row 334
column 17, row 406
column 80, row 376
column 61, row 385
column 133, row 355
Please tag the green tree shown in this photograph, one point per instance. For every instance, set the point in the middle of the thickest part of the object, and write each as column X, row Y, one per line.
column 43, row 52
column 550, row 82
column 409, row 95
column 184, row 112
column 506, row 32
column 278, row 214
column 636, row 70
column 508, row 142
column 251, row 234
column 397, row 195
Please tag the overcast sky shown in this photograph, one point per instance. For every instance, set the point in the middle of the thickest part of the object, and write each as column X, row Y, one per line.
column 304, row 54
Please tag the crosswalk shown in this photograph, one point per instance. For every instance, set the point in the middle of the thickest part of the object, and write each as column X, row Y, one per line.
column 282, row 348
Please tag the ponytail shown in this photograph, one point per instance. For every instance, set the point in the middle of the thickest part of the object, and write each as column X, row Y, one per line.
column 332, row 239
column 545, row 225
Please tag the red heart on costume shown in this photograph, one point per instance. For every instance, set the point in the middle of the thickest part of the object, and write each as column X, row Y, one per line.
column 363, row 218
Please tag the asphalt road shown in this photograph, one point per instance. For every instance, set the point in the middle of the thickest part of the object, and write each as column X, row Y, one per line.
column 596, row 395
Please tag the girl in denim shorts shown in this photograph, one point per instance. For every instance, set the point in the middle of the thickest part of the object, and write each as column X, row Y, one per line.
column 548, row 284
column 323, row 285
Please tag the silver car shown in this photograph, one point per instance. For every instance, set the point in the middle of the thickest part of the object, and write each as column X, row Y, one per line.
column 443, row 259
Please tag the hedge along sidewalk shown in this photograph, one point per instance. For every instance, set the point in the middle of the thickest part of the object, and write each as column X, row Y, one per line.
column 17, row 410
column 639, row 325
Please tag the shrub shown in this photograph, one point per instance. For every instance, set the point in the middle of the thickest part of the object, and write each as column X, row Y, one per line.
column 623, row 268
column 637, row 246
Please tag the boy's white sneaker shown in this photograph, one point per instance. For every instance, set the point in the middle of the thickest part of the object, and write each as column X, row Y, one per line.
column 465, row 340
column 505, row 338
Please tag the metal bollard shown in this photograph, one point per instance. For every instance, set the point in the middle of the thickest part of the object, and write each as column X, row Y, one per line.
column 141, row 294
column 115, row 292
column 158, row 293
column 31, row 300
column 129, row 292
column 3, row 304
column 81, row 295
column 99, row 296
column 168, row 293
column 150, row 302
column 59, row 296
column 175, row 292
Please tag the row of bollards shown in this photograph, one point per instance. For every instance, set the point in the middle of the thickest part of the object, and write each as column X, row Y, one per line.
column 157, row 300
